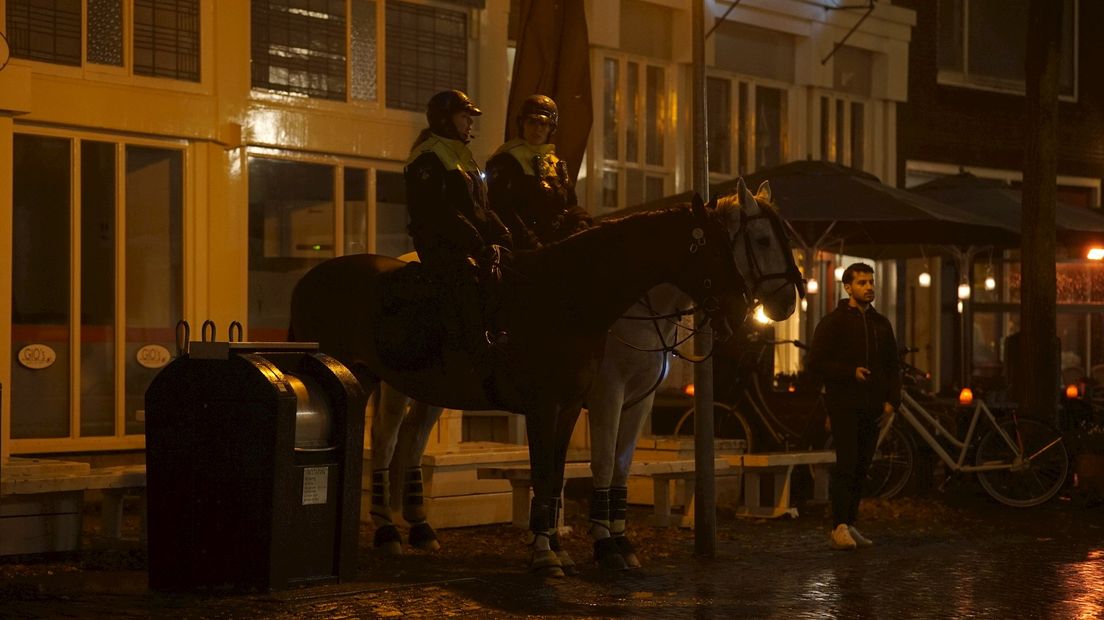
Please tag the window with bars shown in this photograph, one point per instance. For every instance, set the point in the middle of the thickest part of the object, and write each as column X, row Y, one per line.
column 748, row 124
column 299, row 50
column 163, row 41
column 427, row 51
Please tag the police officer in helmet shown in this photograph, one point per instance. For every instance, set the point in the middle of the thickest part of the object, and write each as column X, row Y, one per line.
column 455, row 233
column 529, row 185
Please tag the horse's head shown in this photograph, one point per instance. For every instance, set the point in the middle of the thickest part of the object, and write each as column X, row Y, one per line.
column 745, row 244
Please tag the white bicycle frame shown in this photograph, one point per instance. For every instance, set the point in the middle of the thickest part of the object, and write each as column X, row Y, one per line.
column 910, row 409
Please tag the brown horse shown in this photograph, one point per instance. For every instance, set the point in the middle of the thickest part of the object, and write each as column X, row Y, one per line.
column 383, row 320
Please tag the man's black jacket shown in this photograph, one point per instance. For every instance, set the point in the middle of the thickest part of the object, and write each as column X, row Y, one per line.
column 846, row 339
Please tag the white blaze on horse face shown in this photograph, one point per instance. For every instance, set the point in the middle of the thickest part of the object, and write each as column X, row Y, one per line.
column 773, row 257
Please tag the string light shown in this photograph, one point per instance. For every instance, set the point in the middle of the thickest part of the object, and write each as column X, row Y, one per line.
column 812, row 286
column 964, row 290
column 924, row 279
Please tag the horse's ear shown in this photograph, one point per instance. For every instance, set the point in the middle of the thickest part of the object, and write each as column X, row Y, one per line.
column 764, row 191
column 747, row 201
column 697, row 205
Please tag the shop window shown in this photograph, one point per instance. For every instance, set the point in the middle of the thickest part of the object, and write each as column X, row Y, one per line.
column 68, row 327
column 291, row 229
column 392, row 238
column 356, row 210
column 982, row 43
column 163, row 38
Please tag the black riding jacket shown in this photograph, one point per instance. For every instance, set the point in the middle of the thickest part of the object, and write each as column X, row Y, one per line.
column 447, row 201
column 846, row 339
column 531, row 191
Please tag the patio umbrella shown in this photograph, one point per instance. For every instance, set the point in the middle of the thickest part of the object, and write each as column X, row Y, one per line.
column 828, row 205
column 997, row 201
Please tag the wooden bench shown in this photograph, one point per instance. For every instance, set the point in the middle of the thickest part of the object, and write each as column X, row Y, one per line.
column 779, row 467
column 663, row 473
column 115, row 483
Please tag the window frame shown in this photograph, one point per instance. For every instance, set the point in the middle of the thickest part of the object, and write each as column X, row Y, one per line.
column 125, row 74
column 600, row 163
column 120, row 439
column 964, row 79
column 747, row 158
column 848, row 101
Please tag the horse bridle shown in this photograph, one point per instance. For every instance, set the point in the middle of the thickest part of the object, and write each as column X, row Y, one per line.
column 790, row 276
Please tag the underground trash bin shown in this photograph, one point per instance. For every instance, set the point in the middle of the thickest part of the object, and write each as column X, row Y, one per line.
column 253, row 459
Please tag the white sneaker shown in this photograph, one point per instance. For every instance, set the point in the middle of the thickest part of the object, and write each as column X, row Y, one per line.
column 841, row 538
column 859, row 539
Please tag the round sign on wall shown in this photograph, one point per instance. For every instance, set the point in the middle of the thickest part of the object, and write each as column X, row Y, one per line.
column 152, row 356
column 37, row 356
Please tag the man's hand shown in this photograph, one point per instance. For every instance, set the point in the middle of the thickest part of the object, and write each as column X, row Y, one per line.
column 862, row 374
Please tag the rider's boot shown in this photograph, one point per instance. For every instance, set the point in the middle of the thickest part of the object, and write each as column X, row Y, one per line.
column 543, row 559
column 422, row 535
column 606, row 553
column 386, row 538
column 619, row 500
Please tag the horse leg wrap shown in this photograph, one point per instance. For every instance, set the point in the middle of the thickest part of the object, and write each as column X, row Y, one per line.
column 566, row 562
column 414, row 496
column 543, row 558
column 386, row 538
column 600, row 513
column 423, row 537
column 619, row 500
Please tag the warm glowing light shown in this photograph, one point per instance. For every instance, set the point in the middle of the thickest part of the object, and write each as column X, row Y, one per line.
column 924, row 279
column 964, row 291
column 839, row 273
column 1096, row 254
column 791, row 388
column 960, row 306
column 966, row 397
column 1072, row 391
column 804, row 305
column 812, row 286
column 761, row 316
column 990, row 283
column 689, row 389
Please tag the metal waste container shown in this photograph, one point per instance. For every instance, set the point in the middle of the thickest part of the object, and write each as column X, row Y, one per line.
column 253, row 460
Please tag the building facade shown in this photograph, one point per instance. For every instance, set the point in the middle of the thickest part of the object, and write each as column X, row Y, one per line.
column 164, row 160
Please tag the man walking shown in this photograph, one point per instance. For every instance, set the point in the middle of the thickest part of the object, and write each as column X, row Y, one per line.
column 855, row 354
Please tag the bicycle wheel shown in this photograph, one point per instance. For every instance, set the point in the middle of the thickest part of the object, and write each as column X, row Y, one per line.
column 1039, row 463
column 727, row 424
column 892, row 465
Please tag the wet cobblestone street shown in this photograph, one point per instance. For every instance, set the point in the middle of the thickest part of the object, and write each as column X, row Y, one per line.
column 953, row 556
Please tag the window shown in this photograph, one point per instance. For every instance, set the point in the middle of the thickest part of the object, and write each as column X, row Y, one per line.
column 748, row 125
column 83, row 361
column 392, row 238
column 982, row 43
column 163, row 40
column 427, row 51
column 843, row 133
column 635, row 132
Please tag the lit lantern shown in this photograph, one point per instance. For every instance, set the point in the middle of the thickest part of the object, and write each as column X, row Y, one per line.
column 761, row 316
column 966, row 397
column 964, row 291
column 689, row 389
column 1096, row 254
column 1072, row 391
column 990, row 283
column 960, row 306
column 924, row 279
column 804, row 305
column 812, row 286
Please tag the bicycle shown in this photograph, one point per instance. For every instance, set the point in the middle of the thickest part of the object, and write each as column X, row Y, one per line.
column 1020, row 462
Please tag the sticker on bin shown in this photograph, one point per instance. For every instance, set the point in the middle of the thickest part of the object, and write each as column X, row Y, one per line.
column 314, row 485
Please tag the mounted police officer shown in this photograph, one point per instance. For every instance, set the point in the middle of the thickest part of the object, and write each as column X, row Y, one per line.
column 529, row 186
column 454, row 232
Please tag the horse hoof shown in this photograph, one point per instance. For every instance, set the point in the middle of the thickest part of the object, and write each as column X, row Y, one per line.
column 546, row 563
column 567, row 564
column 387, row 540
column 423, row 537
column 608, row 556
column 627, row 551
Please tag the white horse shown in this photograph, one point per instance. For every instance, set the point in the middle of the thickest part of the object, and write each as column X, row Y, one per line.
column 618, row 403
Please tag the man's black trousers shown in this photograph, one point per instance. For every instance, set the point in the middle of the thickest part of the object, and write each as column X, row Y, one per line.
column 854, row 434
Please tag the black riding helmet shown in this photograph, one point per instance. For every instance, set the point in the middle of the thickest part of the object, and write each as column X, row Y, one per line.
column 539, row 107
column 442, row 107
